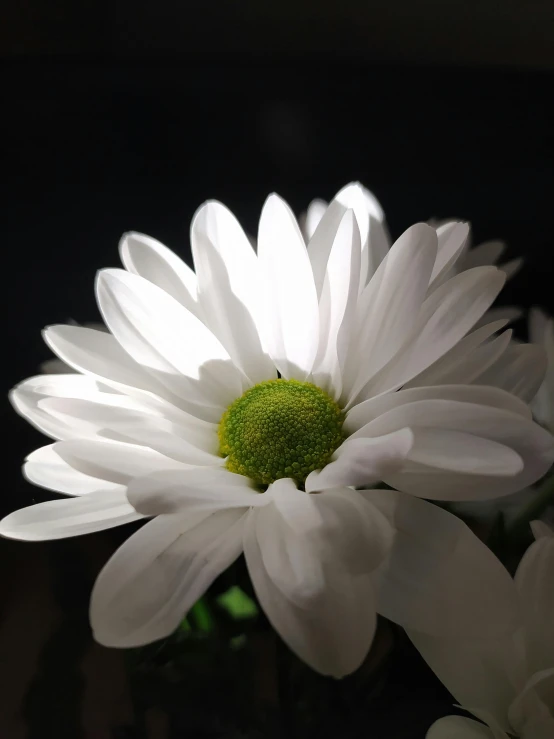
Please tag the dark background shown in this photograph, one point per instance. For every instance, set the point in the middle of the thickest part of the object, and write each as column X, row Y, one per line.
column 120, row 115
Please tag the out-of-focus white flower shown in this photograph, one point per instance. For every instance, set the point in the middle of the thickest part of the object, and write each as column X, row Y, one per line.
column 240, row 404
column 507, row 682
column 541, row 332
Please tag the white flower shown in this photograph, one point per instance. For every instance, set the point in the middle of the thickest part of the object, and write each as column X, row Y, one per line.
column 541, row 332
column 507, row 682
column 179, row 415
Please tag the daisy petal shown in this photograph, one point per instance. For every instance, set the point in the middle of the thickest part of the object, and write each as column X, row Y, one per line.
column 533, row 579
column 314, row 214
column 483, row 255
column 337, row 520
column 159, row 333
column 229, row 288
column 144, row 256
column 287, row 283
column 196, row 489
column 483, row 674
column 512, row 267
column 397, row 292
column 446, row 316
column 123, row 416
column 423, row 583
column 45, row 468
column 533, row 444
column 375, row 240
column 440, row 372
column 475, row 364
column 96, row 353
column 452, row 238
column 321, row 242
column 337, row 306
column 334, row 634
column 59, row 519
column 112, row 460
column 519, row 370
column 363, row 461
column 369, row 410
column 459, row 727
column 461, row 452
column 153, row 579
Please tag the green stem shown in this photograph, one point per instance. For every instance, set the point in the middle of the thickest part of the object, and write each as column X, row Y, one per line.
column 543, row 497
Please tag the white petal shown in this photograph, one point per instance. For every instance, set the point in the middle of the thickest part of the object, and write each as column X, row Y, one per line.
column 196, row 489
column 519, row 370
column 489, row 252
column 542, row 330
column 534, row 579
column 44, row 467
column 461, row 452
column 337, row 524
column 507, row 313
column 314, row 214
column 363, row 462
column 160, row 440
column 147, row 257
column 114, row 416
column 532, row 443
column 397, row 292
column 455, row 361
column 475, row 365
column 149, row 584
column 112, row 460
column 538, row 325
column 292, row 314
column 321, row 243
column 369, row 410
column 58, row 519
column 540, row 529
column 338, row 306
column 299, row 509
column 27, row 396
column 459, row 727
column 334, row 634
column 424, row 585
column 375, row 240
column 531, row 713
column 229, row 289
column 512, row 267
column 98, row 354
column 162, row 335
column 446, row 316
column 452, row 238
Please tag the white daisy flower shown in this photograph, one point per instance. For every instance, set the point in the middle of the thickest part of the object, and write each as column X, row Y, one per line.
column 240, row 405
column 507, row 682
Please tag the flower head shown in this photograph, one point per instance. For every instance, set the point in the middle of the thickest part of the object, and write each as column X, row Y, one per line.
column 240, row 405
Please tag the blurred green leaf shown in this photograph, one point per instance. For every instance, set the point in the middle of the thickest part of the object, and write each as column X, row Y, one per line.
column 237, row 604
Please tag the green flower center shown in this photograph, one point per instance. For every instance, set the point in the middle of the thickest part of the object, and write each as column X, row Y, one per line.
column 280, row 428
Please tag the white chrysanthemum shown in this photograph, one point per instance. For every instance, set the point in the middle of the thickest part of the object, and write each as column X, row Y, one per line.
column 507, row 682
column 240, row 404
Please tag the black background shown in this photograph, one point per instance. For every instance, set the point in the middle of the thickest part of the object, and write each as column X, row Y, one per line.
column 99, row 138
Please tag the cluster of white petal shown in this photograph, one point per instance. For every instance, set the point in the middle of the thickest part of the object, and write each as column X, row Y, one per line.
column 436, row 401
column 506, row 681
